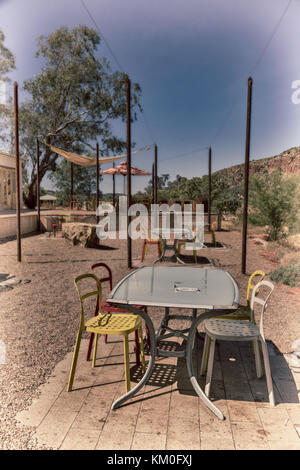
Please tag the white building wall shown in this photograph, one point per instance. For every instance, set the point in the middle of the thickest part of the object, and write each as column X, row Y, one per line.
column 8, row 170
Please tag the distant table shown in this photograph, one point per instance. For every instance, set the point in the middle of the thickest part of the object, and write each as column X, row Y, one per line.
column 175, row 233
column 212, row 290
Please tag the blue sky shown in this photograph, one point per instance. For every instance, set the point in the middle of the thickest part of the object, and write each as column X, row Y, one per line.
column 192, row 59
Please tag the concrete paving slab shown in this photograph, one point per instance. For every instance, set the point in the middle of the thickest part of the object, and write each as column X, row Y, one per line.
column 166, row 413
column 148, row 441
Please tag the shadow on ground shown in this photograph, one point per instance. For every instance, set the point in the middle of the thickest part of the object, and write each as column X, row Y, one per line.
column 234, row 375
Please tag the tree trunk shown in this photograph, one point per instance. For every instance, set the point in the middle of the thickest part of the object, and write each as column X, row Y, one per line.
column 30, row 199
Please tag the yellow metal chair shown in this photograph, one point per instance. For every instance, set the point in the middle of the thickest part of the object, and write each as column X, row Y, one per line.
column 182, row 243
column 213, row 235
column 106, row 324
column 151, row 241
column 244, row 312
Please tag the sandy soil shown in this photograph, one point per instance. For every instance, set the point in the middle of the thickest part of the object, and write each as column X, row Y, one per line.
column 39, row 316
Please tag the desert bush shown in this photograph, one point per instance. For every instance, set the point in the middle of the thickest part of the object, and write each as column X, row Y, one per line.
column 287, row 274
column 273, row 202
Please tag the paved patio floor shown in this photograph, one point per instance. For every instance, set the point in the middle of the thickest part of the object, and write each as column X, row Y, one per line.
column 167, row 414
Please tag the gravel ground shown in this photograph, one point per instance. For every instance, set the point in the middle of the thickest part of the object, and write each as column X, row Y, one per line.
column 39, row 316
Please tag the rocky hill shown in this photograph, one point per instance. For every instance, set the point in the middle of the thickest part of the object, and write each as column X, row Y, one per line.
column 288, row 161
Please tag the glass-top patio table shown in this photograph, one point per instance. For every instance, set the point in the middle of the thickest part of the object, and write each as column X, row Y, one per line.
column 213, row 291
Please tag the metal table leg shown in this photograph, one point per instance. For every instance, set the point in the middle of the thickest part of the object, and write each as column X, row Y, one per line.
column 163, row 251
column 189, row 362
column 172, row 247
column 148, row 372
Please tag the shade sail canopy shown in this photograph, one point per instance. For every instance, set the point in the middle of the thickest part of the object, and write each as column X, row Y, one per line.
column 121, row 169
column 84, row 160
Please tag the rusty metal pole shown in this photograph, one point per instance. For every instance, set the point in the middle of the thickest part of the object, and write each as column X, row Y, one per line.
column 153, row 191
column 128, row 112
column 246, row 176
column 114, row 187
column 17, row 156
column 209, row 189
column 155, row 174
column 72, row 186
column 38, row 185
column 97, row 179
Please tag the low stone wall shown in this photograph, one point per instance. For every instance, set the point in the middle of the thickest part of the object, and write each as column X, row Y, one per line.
column 8, row 224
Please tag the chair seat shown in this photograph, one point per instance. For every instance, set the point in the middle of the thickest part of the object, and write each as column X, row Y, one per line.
column 113, row 324
column 231, row 330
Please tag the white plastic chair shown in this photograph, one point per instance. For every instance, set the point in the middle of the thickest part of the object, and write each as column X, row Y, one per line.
column 196, row 243
column 237, row 330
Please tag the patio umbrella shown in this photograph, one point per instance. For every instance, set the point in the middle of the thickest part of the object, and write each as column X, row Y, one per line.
column 121, row 169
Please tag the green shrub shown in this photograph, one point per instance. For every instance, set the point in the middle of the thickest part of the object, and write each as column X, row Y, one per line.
column 273, row 202
column 287, row 274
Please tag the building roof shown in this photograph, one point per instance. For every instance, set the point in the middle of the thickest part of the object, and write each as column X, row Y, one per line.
column 7, row 160
column 47, row 197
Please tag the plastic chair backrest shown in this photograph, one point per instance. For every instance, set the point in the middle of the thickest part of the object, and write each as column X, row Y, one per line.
column 251, row 286
column 108, row 277
column 262, row 302
column 199, row 234
column 82, row 297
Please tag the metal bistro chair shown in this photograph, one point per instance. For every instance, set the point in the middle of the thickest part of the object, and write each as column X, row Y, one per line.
column 194, row 244
column 106, row 307
column 151, row 241
column 244, row 311
column 236, row 330
column 213, row 234
column 55, row 224
column 106, row 324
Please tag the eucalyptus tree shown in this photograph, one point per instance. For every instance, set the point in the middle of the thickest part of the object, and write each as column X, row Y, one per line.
column 7, row 65
column 72, row 102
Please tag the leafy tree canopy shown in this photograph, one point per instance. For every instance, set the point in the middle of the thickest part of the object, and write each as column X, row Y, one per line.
column 7, row 65
column 225, row 197
column 84, row 183
column 72, row 102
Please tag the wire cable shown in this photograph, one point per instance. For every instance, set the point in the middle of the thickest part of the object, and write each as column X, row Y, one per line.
column 257, row 63
column 184, row 154
column 117, row 62
column 102, row 35
column 271, row 37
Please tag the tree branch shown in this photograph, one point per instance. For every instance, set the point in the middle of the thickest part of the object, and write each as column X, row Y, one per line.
column 67, row 123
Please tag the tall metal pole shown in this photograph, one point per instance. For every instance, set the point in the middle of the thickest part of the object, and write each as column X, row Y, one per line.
column 38, row 184
column 153, row 185
column 246, row 176
column 17, row 155
column 209, row 189
column 114, row 187
column 128, row 112
column 155, row 174
column 72, row 186
column 97, row 179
